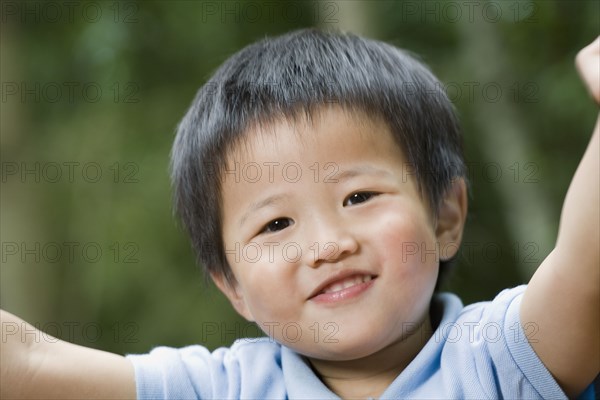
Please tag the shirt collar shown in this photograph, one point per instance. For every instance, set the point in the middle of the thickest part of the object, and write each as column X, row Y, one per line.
column 302, row 382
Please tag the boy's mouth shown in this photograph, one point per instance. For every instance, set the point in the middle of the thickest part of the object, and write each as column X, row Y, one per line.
column 346, row 283
column 341, row 285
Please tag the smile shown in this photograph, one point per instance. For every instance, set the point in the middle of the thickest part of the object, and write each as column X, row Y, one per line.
column 346, row 283
column 344, row 288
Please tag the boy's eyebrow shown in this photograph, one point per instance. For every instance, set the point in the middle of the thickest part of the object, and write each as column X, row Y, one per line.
column 260, row 204
column 360, row 170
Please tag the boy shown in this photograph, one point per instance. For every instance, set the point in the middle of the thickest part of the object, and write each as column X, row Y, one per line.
column 351, row 202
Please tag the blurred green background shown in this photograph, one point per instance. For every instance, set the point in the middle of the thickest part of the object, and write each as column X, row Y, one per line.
column 92, row 93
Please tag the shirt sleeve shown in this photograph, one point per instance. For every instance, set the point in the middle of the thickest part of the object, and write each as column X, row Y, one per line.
column 163, row 373
column 244, row 371
column 512, row 366
column 523, row 355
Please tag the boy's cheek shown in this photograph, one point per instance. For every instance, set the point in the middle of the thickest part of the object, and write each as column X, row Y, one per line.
column 408, row 243
column 265, row 283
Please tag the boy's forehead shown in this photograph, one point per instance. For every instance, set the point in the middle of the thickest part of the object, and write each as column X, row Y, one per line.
column 302, row 127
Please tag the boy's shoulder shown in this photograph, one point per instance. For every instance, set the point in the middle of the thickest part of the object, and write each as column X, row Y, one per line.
column 450, row 313
column 494, row 346
column 196, row 372
column 501, row 301
column 477, row 351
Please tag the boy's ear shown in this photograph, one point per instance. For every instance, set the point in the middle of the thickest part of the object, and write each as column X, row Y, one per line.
column 452, row 213
column 233, row 292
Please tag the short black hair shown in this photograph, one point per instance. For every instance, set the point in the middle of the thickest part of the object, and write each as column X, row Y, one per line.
column 296, row 74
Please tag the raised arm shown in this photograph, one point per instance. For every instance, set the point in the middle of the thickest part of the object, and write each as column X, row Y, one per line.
column 563, row 297
column 34, row 365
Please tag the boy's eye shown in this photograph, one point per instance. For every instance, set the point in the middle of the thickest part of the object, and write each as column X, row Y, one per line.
column 358, row 197
column 277, row 225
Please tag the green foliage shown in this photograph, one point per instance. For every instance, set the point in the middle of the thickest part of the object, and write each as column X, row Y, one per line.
column 149, row 59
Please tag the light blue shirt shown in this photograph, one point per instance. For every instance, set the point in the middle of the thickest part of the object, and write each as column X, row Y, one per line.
column 479, row 351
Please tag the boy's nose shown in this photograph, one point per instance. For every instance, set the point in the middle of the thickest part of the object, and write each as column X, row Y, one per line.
column 332, row 243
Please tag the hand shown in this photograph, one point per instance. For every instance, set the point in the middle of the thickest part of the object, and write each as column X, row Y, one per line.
column 588, row 65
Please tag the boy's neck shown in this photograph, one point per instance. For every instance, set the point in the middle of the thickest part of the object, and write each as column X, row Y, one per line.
column 370, row 376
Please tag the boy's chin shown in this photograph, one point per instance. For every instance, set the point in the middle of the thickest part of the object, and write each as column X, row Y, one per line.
column 343, row 350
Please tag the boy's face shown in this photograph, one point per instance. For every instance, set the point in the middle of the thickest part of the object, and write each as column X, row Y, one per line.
column 334, row 251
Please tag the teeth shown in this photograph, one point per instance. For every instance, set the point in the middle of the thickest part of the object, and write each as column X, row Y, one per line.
column 346, row 283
